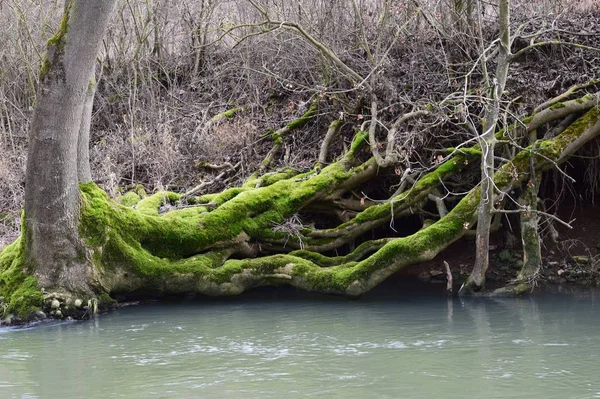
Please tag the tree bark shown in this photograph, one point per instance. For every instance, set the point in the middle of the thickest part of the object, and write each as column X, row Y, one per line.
column 476, row 280
column 53, row 247
column 84, row 171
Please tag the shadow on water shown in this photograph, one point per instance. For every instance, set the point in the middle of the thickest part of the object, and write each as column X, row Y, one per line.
column 404, row 289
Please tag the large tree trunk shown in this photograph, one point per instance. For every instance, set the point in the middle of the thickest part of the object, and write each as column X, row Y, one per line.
column 53, row 247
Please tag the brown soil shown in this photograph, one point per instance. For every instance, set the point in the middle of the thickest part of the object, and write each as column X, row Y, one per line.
column 573, row 259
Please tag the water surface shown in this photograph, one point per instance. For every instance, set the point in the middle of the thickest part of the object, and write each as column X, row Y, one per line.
column 273, row 347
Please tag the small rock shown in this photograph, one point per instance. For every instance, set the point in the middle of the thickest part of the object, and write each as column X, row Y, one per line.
column 58, row 313
column 39, row 315
column 78, row 303
column 560, row 272
column 55, row 304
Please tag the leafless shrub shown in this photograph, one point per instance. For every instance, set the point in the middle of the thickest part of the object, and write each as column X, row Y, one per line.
column 12, row 176
column 292, row 227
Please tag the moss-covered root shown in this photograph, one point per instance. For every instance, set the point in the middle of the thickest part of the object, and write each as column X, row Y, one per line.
column 184, row 251
column 20, row 296
column 546, row 154
column 22, row 300
column 135, row 270
column 179, row 252
column 382, row 213
column 530, row 238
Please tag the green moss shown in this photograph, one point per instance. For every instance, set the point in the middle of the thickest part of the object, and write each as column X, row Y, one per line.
column 360, row 138
column 444, row 170
column 57, row 40
column 277, row 139
column 129, row 199
column 140, row 190
column 472, row 151
column 151, row 205
column 230, row 113
column 283, row 174
column 557, row 106
column 160, row 248
column 195, row 244
column 419, row 192
column 19, row 289
column 306, row 117
column 358, row 254
column 153, row 245
column 545, row 151
column 45, row 67
column 56, row 43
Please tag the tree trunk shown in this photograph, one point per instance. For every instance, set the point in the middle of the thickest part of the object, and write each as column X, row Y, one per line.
column 53, row 247
column 530, row 237
column 84, row 171
column 476, row 280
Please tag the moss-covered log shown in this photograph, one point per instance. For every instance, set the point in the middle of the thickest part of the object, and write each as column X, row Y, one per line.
column 227, row 247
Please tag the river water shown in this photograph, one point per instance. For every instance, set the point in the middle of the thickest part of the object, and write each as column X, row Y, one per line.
column 282, row 346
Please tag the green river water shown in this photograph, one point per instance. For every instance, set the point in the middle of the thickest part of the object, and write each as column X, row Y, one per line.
column 282, row 346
